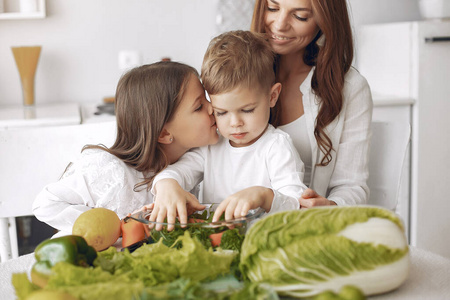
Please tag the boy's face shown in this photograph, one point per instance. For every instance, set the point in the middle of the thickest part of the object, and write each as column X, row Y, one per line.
column 242, row 115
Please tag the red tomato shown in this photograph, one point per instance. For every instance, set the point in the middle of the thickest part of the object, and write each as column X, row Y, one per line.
column 216, row 238
column 132, row 232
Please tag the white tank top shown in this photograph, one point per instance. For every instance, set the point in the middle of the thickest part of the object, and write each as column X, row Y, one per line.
column 299, row 135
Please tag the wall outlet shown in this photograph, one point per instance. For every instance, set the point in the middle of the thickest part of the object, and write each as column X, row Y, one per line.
column 129, row 59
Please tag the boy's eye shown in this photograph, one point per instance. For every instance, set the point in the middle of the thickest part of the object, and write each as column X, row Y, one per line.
column 199, row 108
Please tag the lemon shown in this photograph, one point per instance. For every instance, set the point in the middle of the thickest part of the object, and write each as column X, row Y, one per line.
column 99, row 226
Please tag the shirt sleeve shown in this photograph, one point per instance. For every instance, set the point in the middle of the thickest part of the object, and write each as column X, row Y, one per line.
column 348, row 183
column 95, row 180
column 187, row 171
column 286, row 171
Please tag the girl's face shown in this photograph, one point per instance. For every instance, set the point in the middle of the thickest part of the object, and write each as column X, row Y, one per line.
column 242, row 115
column 290, row 25
column 193, row 124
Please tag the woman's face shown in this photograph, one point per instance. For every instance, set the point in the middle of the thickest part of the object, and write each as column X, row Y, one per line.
column 290, row 25
column 193, row 124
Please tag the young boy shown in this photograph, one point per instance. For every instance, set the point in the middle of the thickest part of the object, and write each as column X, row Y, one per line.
column 237, row 73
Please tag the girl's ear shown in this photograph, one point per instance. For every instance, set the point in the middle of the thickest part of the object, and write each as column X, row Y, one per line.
column 275, row 93
column 165, row 137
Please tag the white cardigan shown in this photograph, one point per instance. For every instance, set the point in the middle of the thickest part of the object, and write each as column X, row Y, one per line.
column 344, row 180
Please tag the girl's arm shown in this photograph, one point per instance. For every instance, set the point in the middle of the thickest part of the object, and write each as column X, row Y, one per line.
column 97, row 179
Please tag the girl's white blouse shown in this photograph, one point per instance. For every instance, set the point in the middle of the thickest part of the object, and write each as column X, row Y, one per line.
column 95, row 179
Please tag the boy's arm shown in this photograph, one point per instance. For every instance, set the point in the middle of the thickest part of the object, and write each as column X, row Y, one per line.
column 286, row 171
column 169, row 189
column 187, row 171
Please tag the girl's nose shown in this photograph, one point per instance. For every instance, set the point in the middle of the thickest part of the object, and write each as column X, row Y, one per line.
column 209, row 108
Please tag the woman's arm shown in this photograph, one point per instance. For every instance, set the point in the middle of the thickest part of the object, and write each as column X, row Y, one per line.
column 348, row 183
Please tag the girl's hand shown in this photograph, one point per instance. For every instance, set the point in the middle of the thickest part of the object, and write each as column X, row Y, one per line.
column 310, row 199
column 238, row 204
column 172, row 201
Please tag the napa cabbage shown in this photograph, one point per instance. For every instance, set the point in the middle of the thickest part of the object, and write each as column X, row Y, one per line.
column 304, row 253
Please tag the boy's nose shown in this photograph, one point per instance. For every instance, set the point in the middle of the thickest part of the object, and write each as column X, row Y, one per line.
column 235, row 121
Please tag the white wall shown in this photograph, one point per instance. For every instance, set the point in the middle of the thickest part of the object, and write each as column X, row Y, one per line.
column 81, row 40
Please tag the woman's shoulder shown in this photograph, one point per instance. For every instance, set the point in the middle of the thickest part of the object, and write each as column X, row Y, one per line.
column 354, row 78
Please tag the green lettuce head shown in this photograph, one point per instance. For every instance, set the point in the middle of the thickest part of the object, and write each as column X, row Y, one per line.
column 303, row 253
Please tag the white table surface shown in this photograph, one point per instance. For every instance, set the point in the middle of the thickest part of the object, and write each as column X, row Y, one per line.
column 429, row 277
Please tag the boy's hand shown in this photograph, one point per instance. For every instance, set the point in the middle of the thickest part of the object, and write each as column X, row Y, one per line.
column 172, row 201
column 238, row 204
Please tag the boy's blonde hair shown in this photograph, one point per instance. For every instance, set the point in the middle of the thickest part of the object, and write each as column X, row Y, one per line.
column 238, row 59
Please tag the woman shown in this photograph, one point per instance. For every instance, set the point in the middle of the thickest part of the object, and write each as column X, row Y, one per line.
column 161, row 112
column 325, row 104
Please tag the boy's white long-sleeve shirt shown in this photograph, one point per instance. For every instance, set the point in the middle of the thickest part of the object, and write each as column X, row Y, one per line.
column 272, row 161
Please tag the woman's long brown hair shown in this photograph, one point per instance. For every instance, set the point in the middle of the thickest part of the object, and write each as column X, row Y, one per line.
column 332, row 60
column 146, row 99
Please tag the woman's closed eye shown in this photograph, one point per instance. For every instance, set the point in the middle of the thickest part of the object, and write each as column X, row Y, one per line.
column 248, row 111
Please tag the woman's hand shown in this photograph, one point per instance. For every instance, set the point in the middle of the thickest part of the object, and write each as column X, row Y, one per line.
column 238, row 204
column 172, row 201
column 310, row 199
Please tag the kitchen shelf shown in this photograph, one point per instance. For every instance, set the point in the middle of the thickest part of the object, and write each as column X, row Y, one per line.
column 39, row 14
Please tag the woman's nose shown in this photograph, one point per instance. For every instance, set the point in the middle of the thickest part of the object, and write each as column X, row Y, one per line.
column 281, row 21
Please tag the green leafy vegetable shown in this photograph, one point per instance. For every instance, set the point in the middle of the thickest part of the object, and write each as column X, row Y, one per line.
column 306, row 252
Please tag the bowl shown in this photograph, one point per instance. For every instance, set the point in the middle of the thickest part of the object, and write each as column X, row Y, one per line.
column 199, row 225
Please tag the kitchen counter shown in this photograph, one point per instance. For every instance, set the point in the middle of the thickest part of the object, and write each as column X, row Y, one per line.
column 52, row 114
column 428, row 278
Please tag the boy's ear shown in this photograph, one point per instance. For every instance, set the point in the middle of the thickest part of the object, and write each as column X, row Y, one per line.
column 275, row 93
column 165, row 137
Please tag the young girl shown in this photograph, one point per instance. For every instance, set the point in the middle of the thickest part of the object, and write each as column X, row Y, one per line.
column 325, row 104
column 161, row 112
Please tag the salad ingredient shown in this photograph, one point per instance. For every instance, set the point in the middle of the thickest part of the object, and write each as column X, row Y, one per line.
column 132, row 232
column 346, row 293
column 306, row 252
column 99, row 226
column 50, row 295
column 125, row 275
column 71, row 249
column 216, row 239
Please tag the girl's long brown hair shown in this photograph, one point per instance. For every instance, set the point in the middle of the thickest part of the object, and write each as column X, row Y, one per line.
column 332, row 61
column 146, row 99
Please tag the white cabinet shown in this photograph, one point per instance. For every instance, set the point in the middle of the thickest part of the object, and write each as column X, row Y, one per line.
column 38, row 13
column 401, row 60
